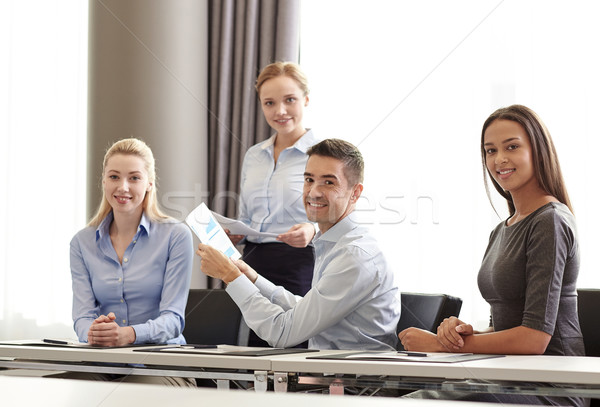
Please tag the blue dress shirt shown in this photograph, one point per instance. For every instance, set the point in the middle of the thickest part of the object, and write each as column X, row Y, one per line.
column 271, row 195
column 148, row 291
column 353, row 303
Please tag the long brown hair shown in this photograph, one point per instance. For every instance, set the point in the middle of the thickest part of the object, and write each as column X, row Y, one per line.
column 138, row 148
column 545, row 160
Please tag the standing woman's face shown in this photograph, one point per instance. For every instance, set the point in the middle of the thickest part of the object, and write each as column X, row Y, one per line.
column 508, row 155
column 125, row 183
column 283, row 104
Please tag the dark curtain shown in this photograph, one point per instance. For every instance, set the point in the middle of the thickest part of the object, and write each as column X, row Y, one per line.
column 244, row 36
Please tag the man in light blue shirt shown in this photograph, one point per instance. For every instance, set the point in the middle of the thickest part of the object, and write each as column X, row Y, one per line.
column 353, row 302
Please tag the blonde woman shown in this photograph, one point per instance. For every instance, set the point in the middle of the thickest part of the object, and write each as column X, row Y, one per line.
column 131, row 266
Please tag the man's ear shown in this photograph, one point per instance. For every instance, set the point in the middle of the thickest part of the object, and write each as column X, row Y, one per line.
column 356, row 192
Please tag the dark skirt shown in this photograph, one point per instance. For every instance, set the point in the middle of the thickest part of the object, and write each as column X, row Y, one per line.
column 284, row 265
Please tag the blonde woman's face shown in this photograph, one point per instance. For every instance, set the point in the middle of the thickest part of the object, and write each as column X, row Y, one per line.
column 126, row 183
column 283, row 104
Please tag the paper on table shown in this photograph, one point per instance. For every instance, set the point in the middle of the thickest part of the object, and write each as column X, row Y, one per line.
column 237, row 227
column 208, row 230
column 407, row 357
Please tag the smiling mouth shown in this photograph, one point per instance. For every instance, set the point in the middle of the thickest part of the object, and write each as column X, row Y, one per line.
column 316, row 205
column 122, row 199
column 504, row 172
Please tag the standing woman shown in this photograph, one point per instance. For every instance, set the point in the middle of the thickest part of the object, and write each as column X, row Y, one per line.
column 272, row 181
column 529, row 270
column 131, row 266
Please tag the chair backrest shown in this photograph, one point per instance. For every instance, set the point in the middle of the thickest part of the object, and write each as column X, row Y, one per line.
column 426, row 311
column 212, row 318
column 588, row 307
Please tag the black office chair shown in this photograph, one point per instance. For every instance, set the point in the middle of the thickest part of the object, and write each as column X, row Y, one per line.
column 588, row 304
column 212, row 318
column 426, row 311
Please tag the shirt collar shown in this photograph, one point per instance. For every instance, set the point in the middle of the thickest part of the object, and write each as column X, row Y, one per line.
column 103, row 227
column 337, row 231
column 307, row 140
column 269, row 143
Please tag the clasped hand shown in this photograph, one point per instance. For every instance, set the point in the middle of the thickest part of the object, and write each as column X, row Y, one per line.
column 449, row 338
column 105, row 332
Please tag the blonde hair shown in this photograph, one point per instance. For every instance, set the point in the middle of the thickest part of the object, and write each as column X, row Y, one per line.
column 138, row 148
column 289, row 69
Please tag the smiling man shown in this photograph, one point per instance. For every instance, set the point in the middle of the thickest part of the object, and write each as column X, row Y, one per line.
column 353, row 302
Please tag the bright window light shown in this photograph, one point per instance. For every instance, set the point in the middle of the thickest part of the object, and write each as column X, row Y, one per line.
column 411, row 84
column 43, row 83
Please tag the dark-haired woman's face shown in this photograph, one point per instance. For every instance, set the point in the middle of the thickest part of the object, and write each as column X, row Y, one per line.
column 508, row 156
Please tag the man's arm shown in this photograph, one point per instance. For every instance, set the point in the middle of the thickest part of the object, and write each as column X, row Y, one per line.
column 343, row 286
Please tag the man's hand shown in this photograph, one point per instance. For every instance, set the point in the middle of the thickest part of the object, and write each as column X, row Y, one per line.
column 216, row 264
column 247, row 270
column 299, row 235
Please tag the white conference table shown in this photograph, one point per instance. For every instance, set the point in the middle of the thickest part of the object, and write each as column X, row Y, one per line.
column 575, row 375
column 29, row 391
column 130, row 360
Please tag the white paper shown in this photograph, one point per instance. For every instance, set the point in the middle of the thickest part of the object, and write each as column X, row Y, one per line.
column 237, row 227
column 407, row 356
column 210, row 232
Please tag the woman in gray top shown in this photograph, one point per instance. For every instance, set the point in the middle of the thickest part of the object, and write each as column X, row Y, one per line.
column 529, row 270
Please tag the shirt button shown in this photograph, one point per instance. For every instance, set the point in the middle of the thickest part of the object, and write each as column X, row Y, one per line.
column 120, row 279
column 122, row 300
column 125, row 260
column 124, row 321
column 134, row 241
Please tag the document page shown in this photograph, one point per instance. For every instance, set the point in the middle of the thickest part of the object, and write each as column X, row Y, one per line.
column 237, row 227
column 406, row 356
column 209, row 231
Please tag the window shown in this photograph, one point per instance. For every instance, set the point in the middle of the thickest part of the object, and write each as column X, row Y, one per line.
column 43, row 82
column 411, row 83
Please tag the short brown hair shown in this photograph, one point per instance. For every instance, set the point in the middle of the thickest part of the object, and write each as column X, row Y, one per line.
column 354, row 165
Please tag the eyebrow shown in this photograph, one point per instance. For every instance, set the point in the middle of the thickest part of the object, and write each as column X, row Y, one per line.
column 118, row 172
column 508, row 140
column 328, row 176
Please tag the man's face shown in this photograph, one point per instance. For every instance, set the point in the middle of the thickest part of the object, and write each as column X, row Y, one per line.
column 327, row 196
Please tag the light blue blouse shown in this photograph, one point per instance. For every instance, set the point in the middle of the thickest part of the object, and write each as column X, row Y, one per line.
column 353, row 303
column 271, row 195
column 148, row 291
